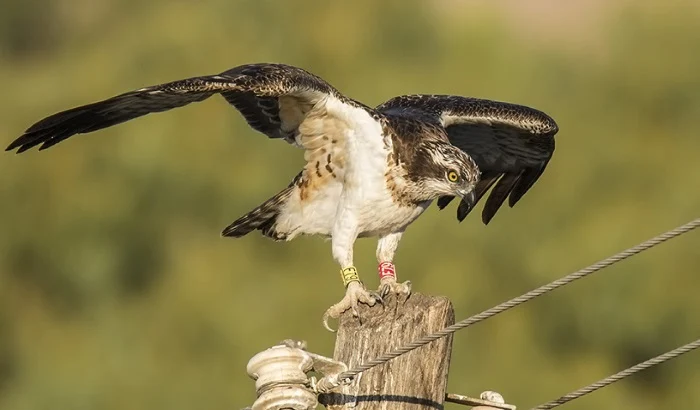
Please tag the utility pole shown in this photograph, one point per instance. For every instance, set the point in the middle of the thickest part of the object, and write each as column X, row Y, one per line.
column 416, row 380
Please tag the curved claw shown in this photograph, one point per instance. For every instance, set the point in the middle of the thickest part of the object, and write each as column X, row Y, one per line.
column 354, row 295
column 391, row 286
column 384, row 289
column 377, row 297
column 327, row 316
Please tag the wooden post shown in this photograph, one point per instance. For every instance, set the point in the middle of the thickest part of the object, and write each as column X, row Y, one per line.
column 416, row 380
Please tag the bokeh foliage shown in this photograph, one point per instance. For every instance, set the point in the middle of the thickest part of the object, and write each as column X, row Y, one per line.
column 117, row 292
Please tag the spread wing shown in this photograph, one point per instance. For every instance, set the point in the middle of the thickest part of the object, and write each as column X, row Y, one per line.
column 510, row 143
column 273, row 98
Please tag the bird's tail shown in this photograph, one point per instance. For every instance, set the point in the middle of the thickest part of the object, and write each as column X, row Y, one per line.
column 262, row 217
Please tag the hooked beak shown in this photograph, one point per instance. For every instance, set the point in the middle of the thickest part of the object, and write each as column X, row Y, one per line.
column 469, row 197
column 468, row 202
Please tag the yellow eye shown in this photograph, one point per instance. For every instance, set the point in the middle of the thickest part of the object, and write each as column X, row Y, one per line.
column 452, row 176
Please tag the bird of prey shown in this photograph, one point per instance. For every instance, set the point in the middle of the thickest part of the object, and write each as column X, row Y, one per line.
column 369, row 172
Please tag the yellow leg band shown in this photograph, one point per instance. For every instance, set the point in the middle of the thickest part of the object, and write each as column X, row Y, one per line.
column 349, row 274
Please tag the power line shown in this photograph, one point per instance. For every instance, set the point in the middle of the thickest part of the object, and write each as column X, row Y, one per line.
column 619, row 376
column 520, row 299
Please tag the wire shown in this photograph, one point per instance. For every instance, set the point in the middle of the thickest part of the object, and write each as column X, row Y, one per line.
column 519, row 300
column 619, row 376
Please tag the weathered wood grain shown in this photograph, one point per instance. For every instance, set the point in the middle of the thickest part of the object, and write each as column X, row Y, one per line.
column 413, row 381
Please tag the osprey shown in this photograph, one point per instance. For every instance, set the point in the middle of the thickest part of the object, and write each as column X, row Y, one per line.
column 369, row 172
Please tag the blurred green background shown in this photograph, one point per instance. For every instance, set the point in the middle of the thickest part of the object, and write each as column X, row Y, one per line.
column 116, row 291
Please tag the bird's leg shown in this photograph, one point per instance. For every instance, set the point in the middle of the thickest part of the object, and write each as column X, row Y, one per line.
column 355, row 291
column 387, row 271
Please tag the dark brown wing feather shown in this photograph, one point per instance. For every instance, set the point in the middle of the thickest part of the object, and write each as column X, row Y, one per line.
column 499, row 193
column 481, row 188
column 253, row 89
column 510, row 143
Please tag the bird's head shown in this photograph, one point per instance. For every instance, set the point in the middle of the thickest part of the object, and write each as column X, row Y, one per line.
column 440, row 168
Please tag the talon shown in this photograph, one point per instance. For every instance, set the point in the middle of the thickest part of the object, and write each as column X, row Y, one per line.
column 355, row 313
column 327, row 316
column 377, row 297
column 384, row 290
column 390, row 285
column 354, row 295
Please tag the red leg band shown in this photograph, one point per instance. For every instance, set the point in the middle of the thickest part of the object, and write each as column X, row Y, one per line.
column 386, row 269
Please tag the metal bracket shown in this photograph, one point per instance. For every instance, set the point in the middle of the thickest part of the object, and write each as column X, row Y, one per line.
column 488, row 400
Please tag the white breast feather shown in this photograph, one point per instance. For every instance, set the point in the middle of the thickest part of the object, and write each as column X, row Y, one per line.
column 358, row 202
